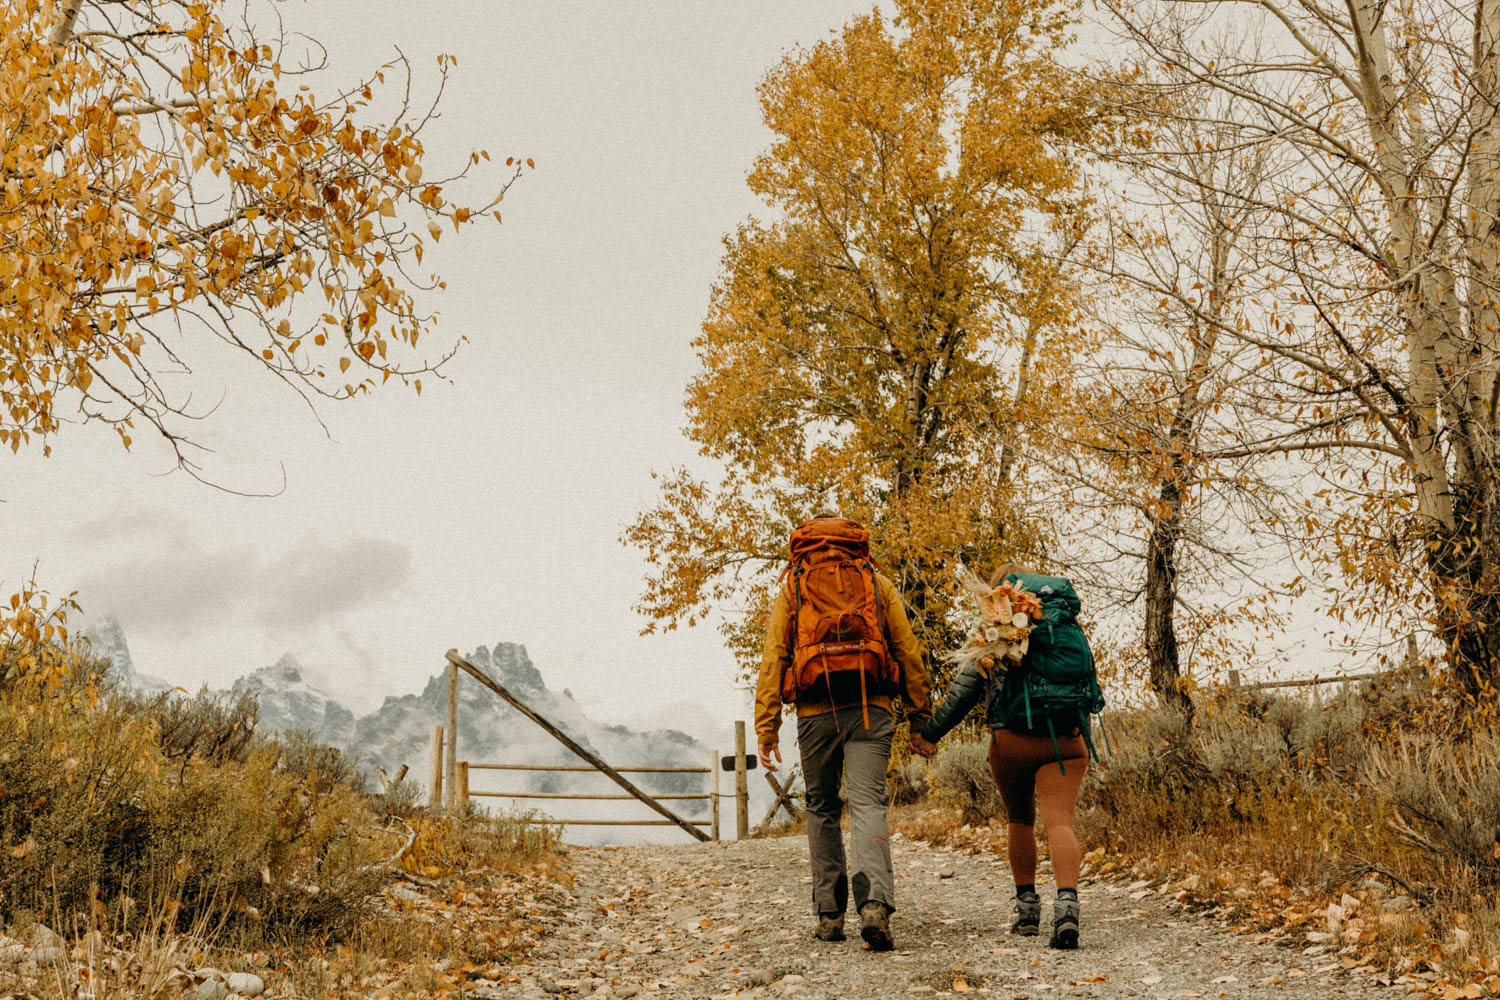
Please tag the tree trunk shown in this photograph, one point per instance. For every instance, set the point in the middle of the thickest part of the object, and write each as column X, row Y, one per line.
column 1465, row 569
column 1161, row 601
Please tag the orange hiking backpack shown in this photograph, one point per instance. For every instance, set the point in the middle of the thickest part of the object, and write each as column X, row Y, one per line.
column 837, row 621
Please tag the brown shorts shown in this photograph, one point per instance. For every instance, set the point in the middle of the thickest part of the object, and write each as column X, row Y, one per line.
column 1015, row 759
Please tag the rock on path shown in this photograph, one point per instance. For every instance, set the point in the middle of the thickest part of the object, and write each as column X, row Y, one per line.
column 711, row 920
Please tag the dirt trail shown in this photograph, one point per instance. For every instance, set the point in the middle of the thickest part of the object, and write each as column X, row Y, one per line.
column 710, row 920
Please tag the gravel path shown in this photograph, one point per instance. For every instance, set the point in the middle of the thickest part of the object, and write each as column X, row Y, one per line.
column 710, row 920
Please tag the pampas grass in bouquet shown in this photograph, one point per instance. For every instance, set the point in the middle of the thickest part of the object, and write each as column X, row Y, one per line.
column 1001, row 627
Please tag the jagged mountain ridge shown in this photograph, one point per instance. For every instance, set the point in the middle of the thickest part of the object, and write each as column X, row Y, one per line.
column 489, row 730
column 107, row 640
column 288, row 701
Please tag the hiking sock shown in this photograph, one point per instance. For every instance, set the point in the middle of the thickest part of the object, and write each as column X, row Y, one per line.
column 1068, row 894
column 1028, row 889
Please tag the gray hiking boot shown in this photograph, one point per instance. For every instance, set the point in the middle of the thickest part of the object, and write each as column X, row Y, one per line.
column 875, row 926
column 1064, row 924
column 830, row 927
column 1028, row 915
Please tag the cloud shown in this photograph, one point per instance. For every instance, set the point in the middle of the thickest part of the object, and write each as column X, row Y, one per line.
column 174, row 585
column 174, row 591
column 134, row 526
column 321, row 581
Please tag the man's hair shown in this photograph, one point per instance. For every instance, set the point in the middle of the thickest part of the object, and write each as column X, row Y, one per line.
column 825, row 516
column 1004, row 570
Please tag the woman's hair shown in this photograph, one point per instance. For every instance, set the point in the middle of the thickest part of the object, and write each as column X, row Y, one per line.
column 1004, row 570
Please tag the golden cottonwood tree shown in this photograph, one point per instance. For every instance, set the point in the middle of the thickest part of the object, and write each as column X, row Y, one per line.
column 880, row 343
column 166, row 177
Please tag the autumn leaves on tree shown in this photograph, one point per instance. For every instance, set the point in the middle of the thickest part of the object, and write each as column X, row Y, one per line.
column 884, row 340
column 167, row 178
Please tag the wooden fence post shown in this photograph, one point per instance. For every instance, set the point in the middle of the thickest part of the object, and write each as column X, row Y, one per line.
column 741, row 785
column 1234, row 678
column 713, row 795
column 435, row 775
column 450, row 766
column 463, row 785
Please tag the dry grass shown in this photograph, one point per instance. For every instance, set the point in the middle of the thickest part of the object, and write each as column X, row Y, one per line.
column 162, row 837
column 1271, row 809
column 1278, row 806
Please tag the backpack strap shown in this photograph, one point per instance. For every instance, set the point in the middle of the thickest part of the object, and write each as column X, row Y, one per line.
column 1088, row 740
column 794, row 591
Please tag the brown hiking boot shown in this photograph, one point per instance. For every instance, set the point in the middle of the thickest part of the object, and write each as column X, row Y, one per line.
column 875, row 926
column 830, row 927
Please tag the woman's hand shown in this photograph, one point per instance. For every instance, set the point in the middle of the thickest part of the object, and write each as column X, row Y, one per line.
column 921, row 747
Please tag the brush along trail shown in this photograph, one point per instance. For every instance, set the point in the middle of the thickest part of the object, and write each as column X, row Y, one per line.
column 733, row 919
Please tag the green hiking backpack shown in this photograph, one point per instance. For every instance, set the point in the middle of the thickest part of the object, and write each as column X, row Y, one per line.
column 1056, row 678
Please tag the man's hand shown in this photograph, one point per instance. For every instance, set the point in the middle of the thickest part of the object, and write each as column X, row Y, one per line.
column 921, row 747
column 769, row 752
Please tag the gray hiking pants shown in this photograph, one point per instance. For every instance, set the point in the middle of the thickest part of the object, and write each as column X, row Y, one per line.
column 838, row 744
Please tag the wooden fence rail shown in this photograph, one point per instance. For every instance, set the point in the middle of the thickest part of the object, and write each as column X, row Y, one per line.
column 1234, row 681
column 710, row 796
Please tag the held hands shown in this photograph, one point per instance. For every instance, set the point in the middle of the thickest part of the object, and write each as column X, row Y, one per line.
column 769, row 752
column 921, row 747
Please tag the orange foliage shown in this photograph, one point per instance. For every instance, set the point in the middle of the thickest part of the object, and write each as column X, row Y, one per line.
column 164, row 173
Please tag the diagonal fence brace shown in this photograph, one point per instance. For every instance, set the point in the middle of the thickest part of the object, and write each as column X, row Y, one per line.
column 567, row 741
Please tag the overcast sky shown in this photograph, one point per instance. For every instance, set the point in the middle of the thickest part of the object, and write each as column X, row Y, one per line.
column 489, row 509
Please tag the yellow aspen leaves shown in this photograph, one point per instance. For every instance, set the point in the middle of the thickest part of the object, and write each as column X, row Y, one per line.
column 156, row 160
column 864, row 352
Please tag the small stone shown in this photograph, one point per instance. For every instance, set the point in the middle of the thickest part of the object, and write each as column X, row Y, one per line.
column 246, row 984
column 761, row 977
column 212, row 989
column 548, row 986
column 1398, row 903
column 48, row 955
column 11, row 950
column 946, row 873
column 627, row 991
column 43, row 936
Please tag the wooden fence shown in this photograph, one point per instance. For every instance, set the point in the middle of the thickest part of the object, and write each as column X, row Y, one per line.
column 1413, row 662
column 449, row 776
column 1314, row 681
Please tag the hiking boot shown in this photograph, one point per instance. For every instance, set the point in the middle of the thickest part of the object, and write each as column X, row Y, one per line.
column 1064, row 924
column 875, row 926
column 830, row 927
column 1028, row 920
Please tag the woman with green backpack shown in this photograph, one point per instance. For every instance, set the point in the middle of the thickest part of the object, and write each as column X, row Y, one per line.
column 1038, row 711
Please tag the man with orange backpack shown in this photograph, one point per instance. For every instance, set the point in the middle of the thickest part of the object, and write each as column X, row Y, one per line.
column 840, row 649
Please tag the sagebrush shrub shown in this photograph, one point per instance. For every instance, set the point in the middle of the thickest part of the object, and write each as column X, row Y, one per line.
column 104, row 792
column 1447, row 804
column 959, row 775
column 208, row 727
